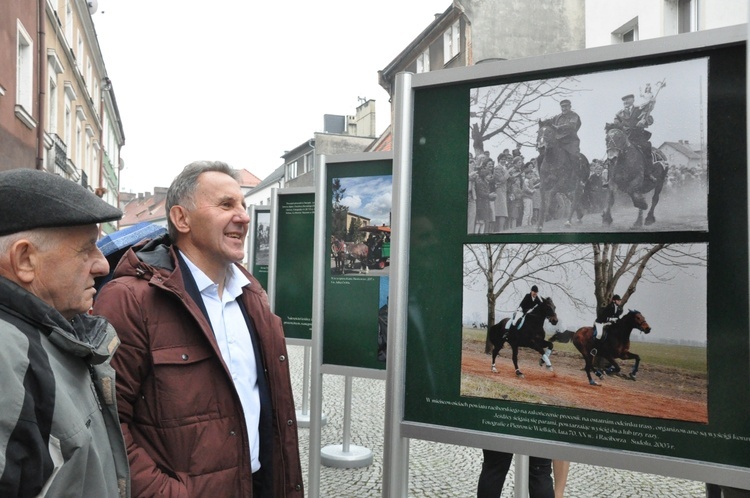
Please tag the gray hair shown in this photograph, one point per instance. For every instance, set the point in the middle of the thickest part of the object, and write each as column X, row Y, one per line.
column 182, row 190
column 42, row 238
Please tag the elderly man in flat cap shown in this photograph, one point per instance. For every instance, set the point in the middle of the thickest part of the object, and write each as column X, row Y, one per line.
column 59, row 429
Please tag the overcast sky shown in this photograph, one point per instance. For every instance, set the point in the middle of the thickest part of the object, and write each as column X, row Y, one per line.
column 679, row 114
column 243, row 81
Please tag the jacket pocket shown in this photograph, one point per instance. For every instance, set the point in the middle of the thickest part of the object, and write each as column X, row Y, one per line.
column 183, row 383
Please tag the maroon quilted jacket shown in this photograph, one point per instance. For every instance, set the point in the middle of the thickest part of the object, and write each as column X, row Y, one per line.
column 181, row 416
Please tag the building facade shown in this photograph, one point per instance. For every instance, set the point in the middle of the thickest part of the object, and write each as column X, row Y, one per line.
column 611, row 21
column 475, row 31
column 57, row 107
column 341, row 135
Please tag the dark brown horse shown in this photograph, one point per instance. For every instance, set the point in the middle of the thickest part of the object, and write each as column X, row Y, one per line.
column 558, row 173
column 531, row 335
column 627, row 171
column 616, row 344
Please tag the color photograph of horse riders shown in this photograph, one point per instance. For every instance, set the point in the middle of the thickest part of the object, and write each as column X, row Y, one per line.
column 619, row 328
column 361, row 226
column 611, row 151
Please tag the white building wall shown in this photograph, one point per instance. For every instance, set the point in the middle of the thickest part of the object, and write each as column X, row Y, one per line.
column 655, row 18
column 719, row 13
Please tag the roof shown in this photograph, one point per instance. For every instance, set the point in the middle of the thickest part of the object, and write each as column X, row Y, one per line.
column 396, row 65
column 684, row 149
column 248, row 179
column 144, row 207
column 274, row 177
column 383, row 143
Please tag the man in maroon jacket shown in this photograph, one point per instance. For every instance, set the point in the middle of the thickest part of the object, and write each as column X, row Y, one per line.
column 203, row 381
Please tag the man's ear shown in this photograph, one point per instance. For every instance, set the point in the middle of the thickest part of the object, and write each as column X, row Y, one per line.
column 180, row 218
column 24, row 261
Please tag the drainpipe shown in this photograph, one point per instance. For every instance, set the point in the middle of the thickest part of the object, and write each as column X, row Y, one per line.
column 41, row 43
column 105, row 87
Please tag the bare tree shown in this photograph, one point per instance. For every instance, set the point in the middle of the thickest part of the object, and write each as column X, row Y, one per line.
column 510, row 269
column 510, row 109
column 501, row 268
column 631, row 263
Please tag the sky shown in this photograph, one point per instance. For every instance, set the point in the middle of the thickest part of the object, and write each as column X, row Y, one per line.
column 369, row 196
column 679, row 113
column 241, row 81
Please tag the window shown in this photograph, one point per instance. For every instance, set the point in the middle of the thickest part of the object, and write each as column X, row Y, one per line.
column 423, row 62
column 79, row 53
column 24, row 71
column 79, row 144
column 687, row 16
column 68, row 22
column 451, row 42
column 291, row 171
column 70, row 96
column 54, row 68
column 628, row 32
column 67, row 123
column 52, row 103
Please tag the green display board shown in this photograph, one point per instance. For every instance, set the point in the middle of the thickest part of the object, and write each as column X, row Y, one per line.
column 693, row 260
column 295, row 226
column 357, row 278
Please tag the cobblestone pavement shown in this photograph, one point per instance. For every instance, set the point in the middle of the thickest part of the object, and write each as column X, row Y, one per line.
column 440, row 470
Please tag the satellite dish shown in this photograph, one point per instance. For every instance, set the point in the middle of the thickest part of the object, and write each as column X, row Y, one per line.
column 93, row 5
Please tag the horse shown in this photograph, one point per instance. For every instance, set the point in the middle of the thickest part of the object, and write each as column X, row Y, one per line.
column 338, row 252
column 616, row 344
column 531, row 335
column 558, row 173
column 626, row 170
column 357, row 251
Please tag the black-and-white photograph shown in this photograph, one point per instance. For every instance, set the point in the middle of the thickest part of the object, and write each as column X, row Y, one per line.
column 618, row 328
column 611, row 151
column 262, row 236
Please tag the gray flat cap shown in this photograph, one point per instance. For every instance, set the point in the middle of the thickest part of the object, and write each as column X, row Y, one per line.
column 36, row 199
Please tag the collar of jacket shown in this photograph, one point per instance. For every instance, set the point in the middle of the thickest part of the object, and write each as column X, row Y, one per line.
column 89, row 337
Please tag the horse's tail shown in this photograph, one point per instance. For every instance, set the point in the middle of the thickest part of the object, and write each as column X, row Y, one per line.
column 562, row 337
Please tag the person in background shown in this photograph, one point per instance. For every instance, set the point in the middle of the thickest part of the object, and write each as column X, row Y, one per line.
column 529, row 186
column 203, row 380
column 560, row 469
column 59, row 431
column 500, row 177
column 495, row 469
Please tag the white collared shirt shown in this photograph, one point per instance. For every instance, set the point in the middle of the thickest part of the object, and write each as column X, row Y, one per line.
column 235, row 344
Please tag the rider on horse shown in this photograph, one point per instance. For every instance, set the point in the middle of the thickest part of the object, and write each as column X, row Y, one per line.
column 634, row 120
column 566, row 125
column 529, row 302
column 605, row 316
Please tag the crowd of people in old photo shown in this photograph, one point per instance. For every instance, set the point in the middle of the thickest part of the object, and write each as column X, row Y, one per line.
column 504, row 193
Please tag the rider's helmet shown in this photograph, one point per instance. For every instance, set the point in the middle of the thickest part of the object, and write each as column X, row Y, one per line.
column 534, row 288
